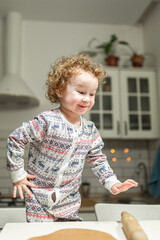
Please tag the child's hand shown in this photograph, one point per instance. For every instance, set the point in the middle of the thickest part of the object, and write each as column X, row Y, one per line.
column 23, row 185
column 122, row 187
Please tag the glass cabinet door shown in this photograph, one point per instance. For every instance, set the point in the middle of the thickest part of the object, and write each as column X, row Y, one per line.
column 138, row 90
column 107, row 106
column 138, row 103
column 105, row 113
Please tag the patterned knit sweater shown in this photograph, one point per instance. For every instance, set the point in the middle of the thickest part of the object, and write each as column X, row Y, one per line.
column 57, row 153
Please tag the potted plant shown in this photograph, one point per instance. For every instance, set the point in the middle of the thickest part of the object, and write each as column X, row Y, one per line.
column 110, row 50
column 136, row 59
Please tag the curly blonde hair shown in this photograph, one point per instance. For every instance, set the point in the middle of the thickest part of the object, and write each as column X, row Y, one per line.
column 65, row 68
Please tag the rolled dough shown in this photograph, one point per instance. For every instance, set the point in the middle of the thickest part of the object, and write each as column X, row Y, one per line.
column 76, row 234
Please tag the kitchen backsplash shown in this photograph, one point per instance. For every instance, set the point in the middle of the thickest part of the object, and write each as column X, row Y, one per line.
column 123, row 156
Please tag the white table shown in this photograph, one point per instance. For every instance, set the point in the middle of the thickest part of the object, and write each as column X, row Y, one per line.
column 24, row 231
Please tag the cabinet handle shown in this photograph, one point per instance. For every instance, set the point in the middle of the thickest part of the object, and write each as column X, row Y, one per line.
column 125, row 127
column 118, row 127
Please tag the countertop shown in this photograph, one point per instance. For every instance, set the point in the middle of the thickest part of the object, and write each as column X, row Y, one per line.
column 24, row 231
column 87, row 203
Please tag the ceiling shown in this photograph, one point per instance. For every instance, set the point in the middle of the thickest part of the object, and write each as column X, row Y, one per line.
column 125, row 12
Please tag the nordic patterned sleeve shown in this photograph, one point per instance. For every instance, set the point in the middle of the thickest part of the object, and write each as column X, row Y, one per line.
column 98, row 162
column 29, row 132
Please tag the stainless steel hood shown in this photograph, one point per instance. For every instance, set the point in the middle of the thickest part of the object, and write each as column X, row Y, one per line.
column 14, row 92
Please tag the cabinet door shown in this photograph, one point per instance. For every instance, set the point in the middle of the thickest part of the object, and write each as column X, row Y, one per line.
column 139, row 104
column 105, row 112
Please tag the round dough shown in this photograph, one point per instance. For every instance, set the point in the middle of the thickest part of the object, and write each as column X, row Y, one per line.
column 75, row 234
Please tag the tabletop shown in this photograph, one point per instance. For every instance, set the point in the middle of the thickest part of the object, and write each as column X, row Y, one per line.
column 24, row 231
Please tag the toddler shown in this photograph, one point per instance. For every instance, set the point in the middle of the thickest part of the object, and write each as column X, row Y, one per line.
column 61, row 140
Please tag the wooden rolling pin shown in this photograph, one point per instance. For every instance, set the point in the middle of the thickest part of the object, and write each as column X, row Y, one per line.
column 131, row 227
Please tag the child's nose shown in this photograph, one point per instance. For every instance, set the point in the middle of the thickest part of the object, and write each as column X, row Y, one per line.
column 86, row 99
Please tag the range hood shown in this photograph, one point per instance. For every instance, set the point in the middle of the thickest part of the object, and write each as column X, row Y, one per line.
column 14, row 92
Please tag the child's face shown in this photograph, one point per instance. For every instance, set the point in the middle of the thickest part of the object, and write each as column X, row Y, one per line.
column 79, row 95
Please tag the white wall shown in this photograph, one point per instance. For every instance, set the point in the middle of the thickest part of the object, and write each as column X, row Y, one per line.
column 152, row 41
column 43, row 42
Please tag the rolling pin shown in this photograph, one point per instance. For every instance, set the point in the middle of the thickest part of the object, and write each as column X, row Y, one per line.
column 131, row 227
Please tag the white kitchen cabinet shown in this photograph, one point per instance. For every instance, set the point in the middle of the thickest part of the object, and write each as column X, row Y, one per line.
column 139, row 104
column 106, row 111
column 126, row 105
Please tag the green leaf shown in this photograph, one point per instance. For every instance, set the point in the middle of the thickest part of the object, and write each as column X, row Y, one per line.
column 123, row 43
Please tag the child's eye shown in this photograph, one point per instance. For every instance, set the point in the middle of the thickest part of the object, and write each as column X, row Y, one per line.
column 92, row 94
column 80, row 92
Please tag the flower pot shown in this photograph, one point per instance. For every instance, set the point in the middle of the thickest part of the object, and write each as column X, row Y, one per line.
column 137, row 61
column 112, row 61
